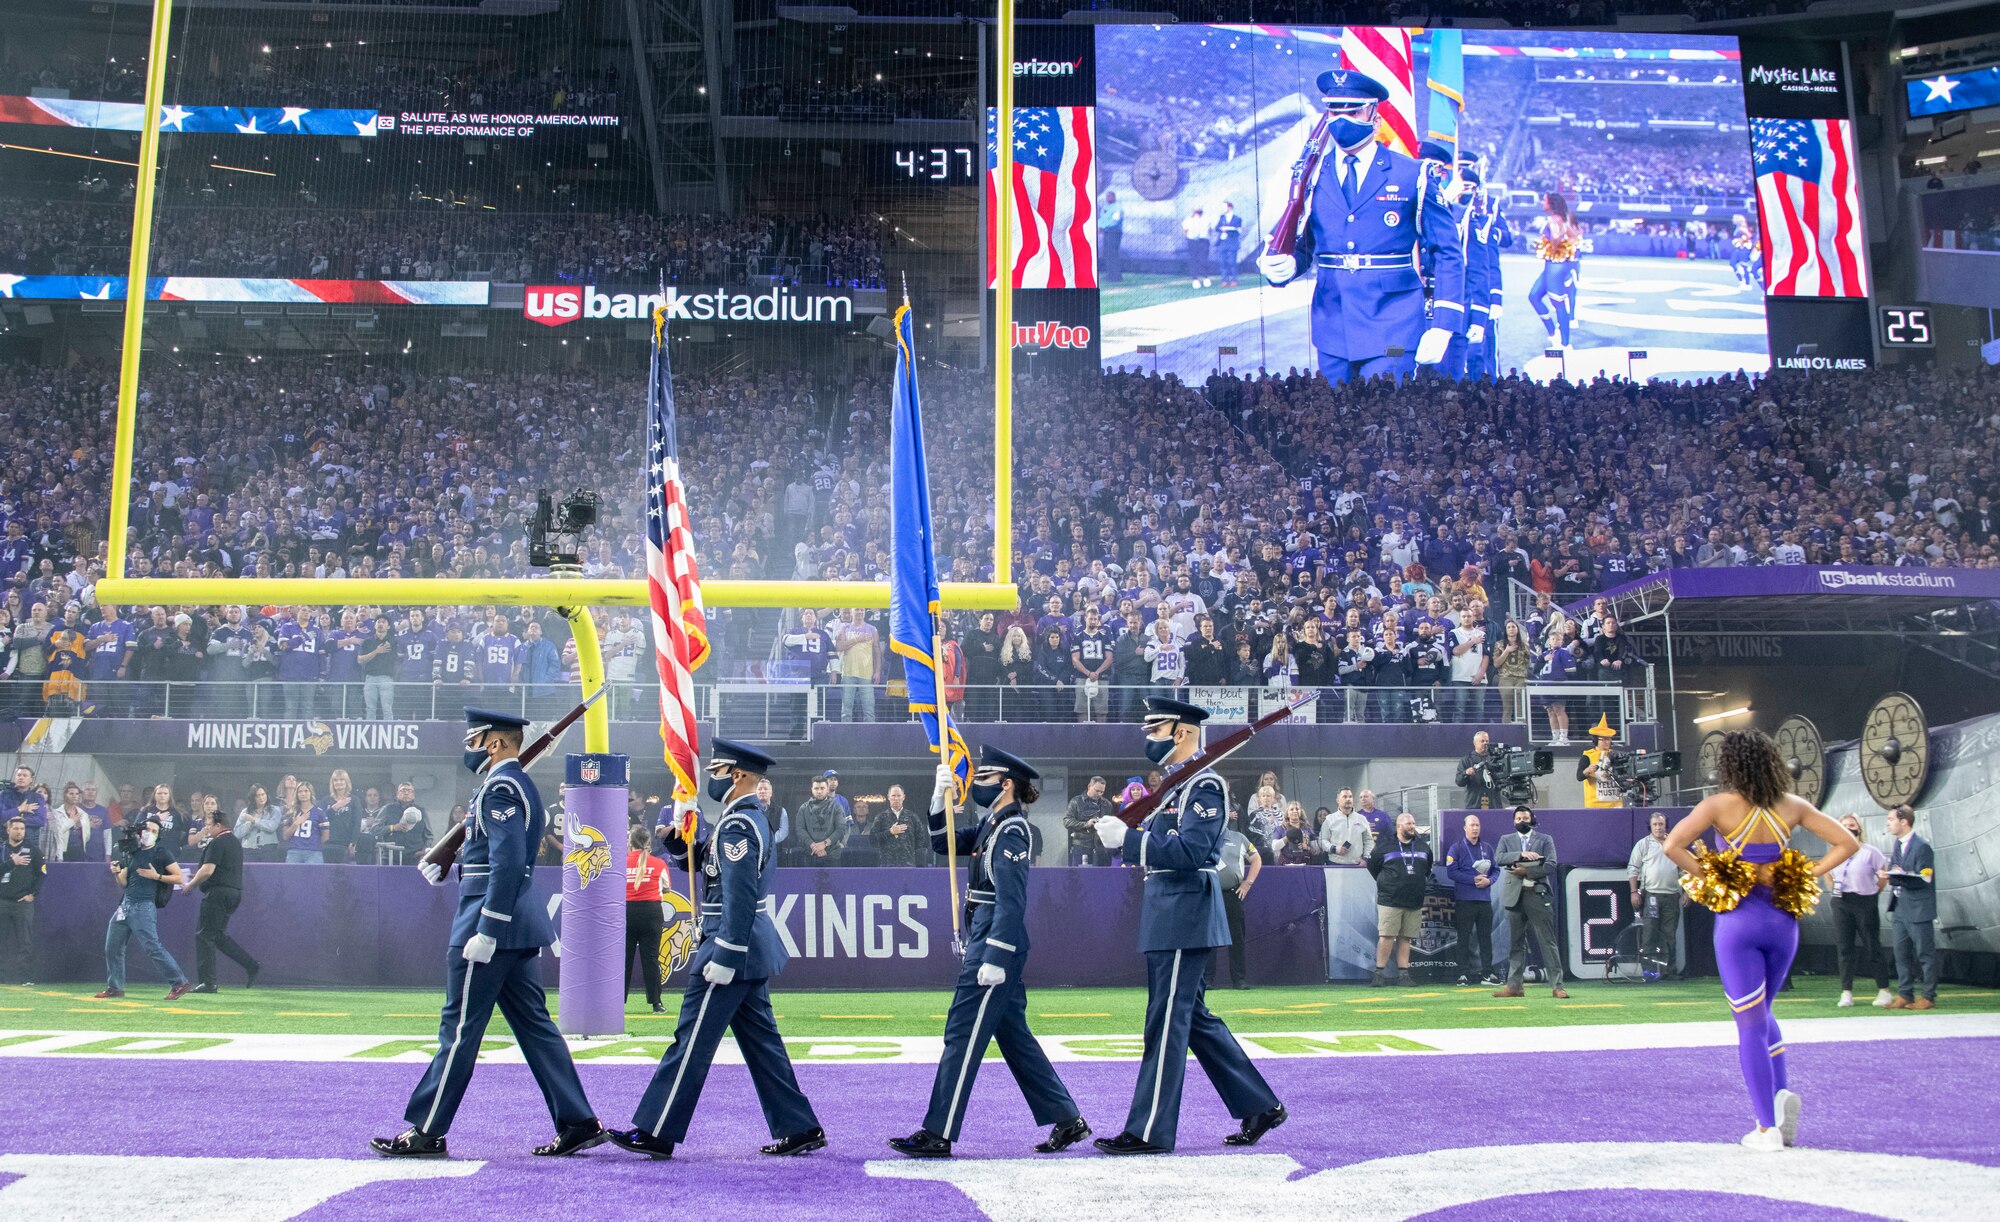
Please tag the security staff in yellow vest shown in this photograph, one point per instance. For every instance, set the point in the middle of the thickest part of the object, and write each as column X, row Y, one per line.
column 1593, row 767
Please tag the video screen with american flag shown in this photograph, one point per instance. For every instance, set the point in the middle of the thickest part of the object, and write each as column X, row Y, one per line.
column 1554, row 202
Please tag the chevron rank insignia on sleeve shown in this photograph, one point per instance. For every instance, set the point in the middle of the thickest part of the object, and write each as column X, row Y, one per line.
column 1015, row 854
column 735, row 852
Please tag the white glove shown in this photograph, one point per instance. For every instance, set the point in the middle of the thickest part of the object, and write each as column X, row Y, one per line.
column 479, row 949
column 1278, row 269
column 433, row 873
column 715, row 973
column 1476, row 333
column 990, row 975
column 942, row 790
column 1493, row 311
column 1430, row 349
column 1111, row 830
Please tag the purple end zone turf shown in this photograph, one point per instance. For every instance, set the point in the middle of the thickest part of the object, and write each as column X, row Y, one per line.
column 1342, row 1112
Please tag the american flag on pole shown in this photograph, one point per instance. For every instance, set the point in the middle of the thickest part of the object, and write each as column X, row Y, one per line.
column 1384, row 52
column 673, row 583
column 1809, row 207
column 1053, row 205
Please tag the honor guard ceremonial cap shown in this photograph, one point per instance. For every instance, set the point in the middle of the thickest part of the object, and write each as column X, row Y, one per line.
column 1347, row 85
column 723, row 751
column 993, row 759
column 1432, row 150
column 1161, row 708
column 478, row 719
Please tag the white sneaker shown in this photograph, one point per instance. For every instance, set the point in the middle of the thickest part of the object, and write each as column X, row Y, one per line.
column 1846, row 999
column 1764, row 1141
column 1883, row 998
column 1787, row 1104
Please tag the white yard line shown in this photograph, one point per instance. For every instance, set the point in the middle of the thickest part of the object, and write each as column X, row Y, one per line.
column 925, row 1050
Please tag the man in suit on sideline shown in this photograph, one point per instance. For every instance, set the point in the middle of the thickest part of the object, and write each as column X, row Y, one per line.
column 1912, row 913
column 1527, row 861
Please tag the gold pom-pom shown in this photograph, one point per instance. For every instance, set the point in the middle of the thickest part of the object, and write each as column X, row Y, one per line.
column 1722, row 882
column 1794, row 889
column 1555, row 250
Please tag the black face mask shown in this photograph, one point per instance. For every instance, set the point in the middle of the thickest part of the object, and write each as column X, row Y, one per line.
column 1524, row 826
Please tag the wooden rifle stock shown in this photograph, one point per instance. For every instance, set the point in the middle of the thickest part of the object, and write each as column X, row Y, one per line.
column 444, row 854
column 1215, row 753
column 1285, row 234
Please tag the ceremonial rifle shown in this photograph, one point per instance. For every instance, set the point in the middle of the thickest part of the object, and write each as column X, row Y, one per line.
column 444, row 854
column 1285, row 234
column 1228, row 745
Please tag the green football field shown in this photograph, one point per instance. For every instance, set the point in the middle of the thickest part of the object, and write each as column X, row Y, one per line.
column 1053, row 1012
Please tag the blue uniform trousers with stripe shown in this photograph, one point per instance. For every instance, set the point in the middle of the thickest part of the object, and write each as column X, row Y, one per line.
column 743, row 1006
column 471, row 991
column 979, row 1015
column 1178, row 1022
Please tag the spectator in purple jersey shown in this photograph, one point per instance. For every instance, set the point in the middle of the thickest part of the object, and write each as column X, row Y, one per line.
column 112, row 643
column 457, row 663
column 499, row 661
column 306, row 828
column 416, row 649
column 300, row 649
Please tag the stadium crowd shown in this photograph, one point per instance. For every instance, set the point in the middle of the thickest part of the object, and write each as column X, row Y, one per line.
column 48, row 237
column 1332, row 536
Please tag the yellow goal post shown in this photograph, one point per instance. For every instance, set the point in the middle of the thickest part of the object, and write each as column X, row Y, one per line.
column 573, row 596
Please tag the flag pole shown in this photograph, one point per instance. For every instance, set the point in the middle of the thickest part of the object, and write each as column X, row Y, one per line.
column 944, row 739
column 689, row 824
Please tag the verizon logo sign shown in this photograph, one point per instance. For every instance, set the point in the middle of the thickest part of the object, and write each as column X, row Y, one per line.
column 1051, row 335
column 1046, row 67
column 552, row 305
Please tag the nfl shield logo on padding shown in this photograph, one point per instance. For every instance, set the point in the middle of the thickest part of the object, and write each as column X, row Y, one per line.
column 587, row 772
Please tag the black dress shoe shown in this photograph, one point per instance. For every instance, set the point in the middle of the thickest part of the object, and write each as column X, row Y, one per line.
column 639, row 1141
column 1255, row 1127
column 574, row 1140
column 203, row 988
column 1064, row 1135
column 250, row 974
column 797, row 1143
column 410, row 1143
column 1125, row 1143
column 921, row 1144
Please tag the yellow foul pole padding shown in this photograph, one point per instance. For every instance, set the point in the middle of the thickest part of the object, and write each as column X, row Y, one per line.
column 135, row 284
column 590, row 673
column 1003, row 314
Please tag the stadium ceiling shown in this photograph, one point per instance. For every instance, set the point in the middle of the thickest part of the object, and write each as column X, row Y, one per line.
column 454, row 8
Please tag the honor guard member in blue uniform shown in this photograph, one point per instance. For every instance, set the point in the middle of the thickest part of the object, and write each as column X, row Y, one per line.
column 1437, row 161
column 1486, row 233
column 1370, row 225
column 729, row 981
column 991, row 1002
column 1181, row 920
column 500, row 930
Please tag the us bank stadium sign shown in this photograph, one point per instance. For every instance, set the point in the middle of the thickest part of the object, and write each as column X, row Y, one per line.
column 299, row 737
column 553, row 305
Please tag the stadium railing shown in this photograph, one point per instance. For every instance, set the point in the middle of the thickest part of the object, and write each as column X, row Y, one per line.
column 780, row 709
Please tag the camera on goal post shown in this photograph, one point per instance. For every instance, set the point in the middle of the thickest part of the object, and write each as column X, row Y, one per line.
column 1639, row 774
column 1511, row 771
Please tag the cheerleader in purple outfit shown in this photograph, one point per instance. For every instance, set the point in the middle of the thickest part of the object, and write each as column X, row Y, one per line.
column 1758, row 888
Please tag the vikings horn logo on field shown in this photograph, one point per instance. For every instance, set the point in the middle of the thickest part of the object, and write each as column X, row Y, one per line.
column 584, row 848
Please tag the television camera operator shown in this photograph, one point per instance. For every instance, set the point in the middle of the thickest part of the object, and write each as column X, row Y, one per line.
column 1475, row 773
column 147, row 872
